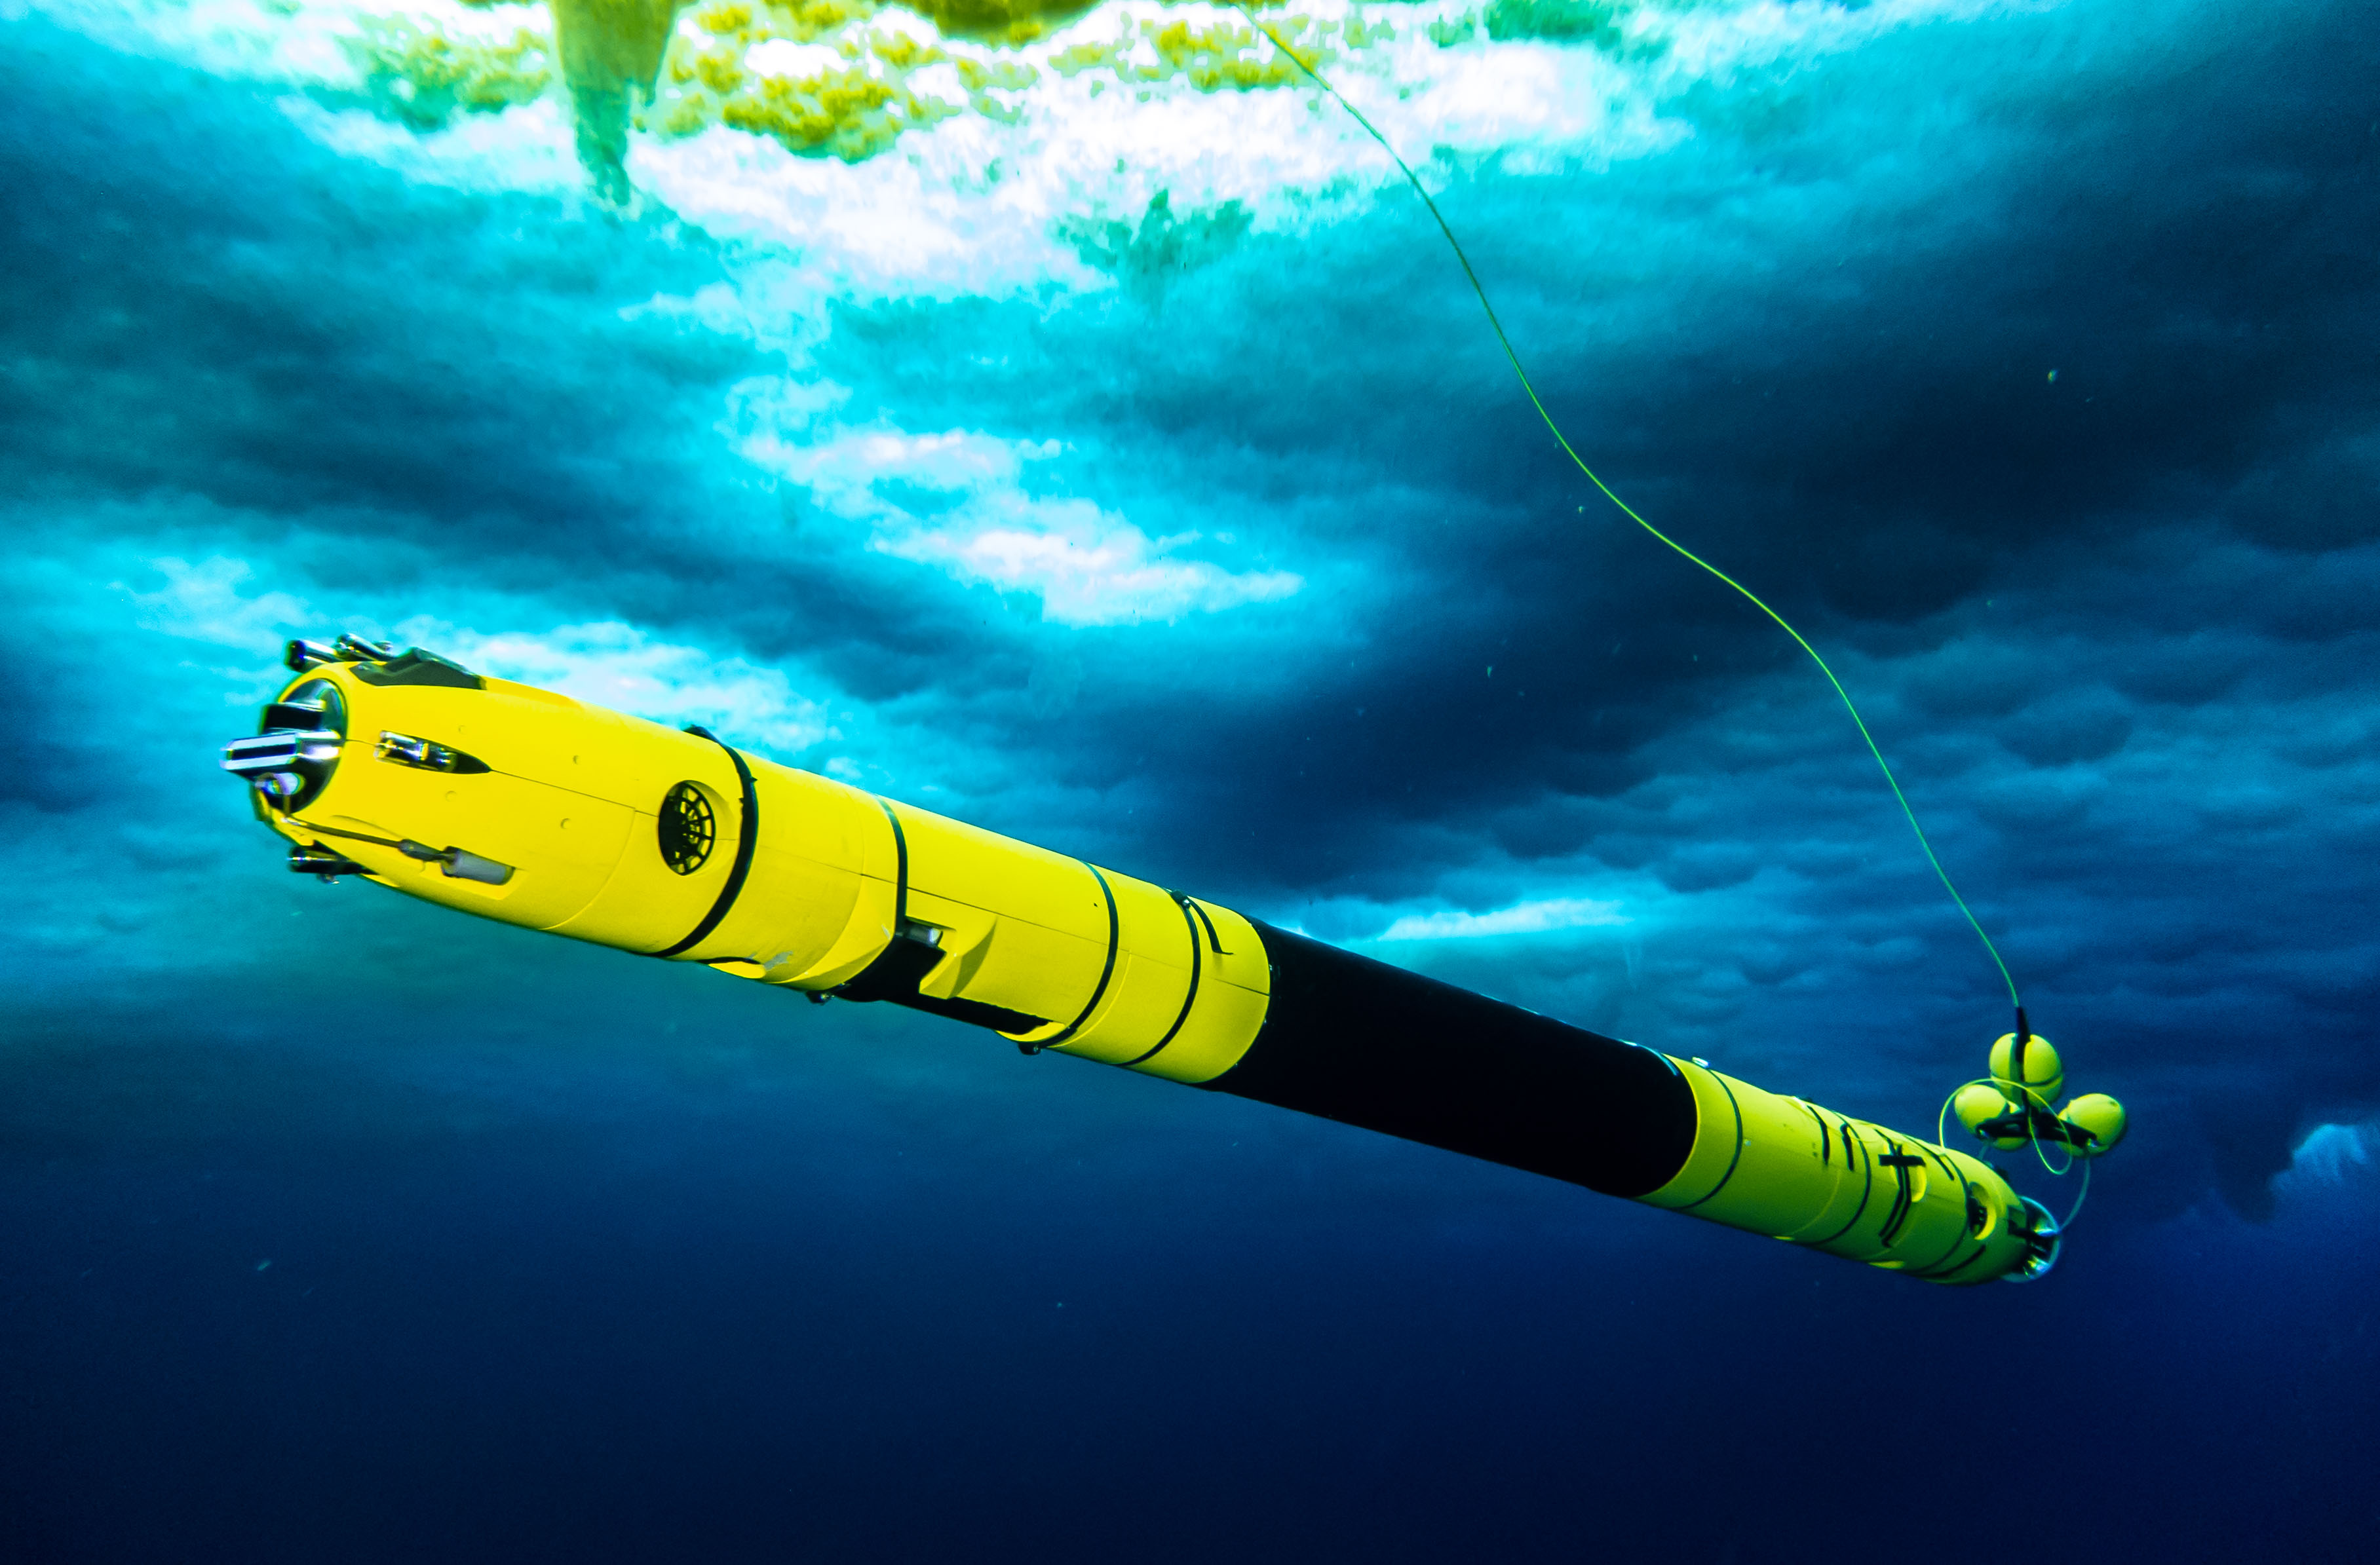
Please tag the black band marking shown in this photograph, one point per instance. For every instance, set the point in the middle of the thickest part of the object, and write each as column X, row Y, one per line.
column 1904, row 1200
column 1189, row 998
column 1739, row 1145
column 1826, row 1148
column 900, row 868
column 1106, row 972
column 1965, row 1196
column 748, row 837
column 1955, row 1268
column 1825, row 1158
column 907, row 961
column 1851, row 1155
column 1212, row 938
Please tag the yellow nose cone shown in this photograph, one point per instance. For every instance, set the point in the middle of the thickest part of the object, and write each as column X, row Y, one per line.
column 2098, row 1115
column 2042, row 1075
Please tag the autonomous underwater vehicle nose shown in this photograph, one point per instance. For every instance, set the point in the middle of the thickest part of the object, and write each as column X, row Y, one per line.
column 529, row 807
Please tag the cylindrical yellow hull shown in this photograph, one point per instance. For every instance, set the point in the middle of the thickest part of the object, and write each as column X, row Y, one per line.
column 529, row 807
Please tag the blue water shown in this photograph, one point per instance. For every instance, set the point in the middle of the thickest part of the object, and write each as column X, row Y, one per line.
column 334, row 1226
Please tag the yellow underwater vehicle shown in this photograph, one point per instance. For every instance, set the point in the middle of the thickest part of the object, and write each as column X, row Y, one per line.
column 527, row 806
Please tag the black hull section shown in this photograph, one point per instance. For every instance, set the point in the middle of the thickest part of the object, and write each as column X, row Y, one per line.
column 1367, row 1044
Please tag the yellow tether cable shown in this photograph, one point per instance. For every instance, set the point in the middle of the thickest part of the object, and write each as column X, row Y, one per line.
column 1625, row 509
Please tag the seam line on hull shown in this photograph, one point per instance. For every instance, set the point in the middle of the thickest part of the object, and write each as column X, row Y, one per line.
column 1851, row 1155
column 1732, row 1160
column 1965, row 1195
column 1105, row 972
column 1189, row 998
column 900, row 867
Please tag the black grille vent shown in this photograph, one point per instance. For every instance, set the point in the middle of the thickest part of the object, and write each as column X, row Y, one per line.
column 688, row 829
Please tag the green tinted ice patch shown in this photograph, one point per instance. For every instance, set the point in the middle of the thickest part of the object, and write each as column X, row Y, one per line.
column 1598, row 24
column 423, row 79
column 1586, row 21
column 1222, row 56
column 1162, row 247
column 828, row 77
column 852, row 102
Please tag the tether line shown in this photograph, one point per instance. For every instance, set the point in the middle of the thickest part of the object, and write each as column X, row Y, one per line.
column 1628, row 511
